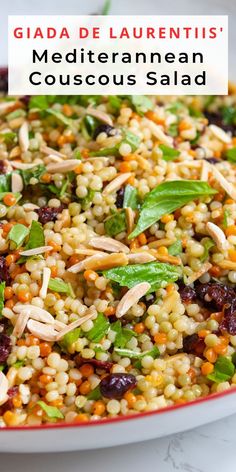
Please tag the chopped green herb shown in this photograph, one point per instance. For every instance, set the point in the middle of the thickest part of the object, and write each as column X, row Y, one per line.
column 86, row 202
column 39, row 102
column 36, row 236
column 95, row 394
column 15, row 114
column 175, row 249
column 51, row 411
column 33, row 173
column 140, row 103
column 168, row 153
column 155, row 273
column 173, row 130
column 9, row 137
column 223, row 370
column 130, row 197
column 60, row 117
column 115, row 103
column 88, row 126
column 166, row 198
column 123, row 335
column 17, row 235
column 5, row 183
column 195, row 140
column 99, row 330
column 69, row 339
column 2, row 288
column 175, row 107
column 115, row 224
column 16, row 195
column 154, row 352
column 208, row 244
column 229, row 115
column 226, row 215
column 18, row 364
column 128, row 138
column 58, row 285
column 231, row 154
column 194, row 112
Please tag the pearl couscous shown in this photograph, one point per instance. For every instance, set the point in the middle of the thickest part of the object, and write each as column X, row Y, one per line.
column 117, row 254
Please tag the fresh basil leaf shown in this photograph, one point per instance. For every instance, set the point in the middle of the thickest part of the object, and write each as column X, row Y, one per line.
column 33, row 173
column 175, row 249
column 140, row 103
column 166, row 198
column 123, row 335
column 115, row 103
column 208, row 244
column 155, row 273
column 130, row 197
column 58, row 285
column 194, row 112
column 128, row 138
column 39, row 102
column 106, row 7
column 18, row 234
column 226, row 214
column 86, row 202
column 36, row 236
column 223, row 370
column 60, row 117
column 2, row 288
column 173, row 130
column 115, row 224
column 229, row 115
column 168, row 153
column 175, row 107
column 99, row 330
column 51, row 411
column 95, row 394
column 5, row 183
column 231, row 154
column 154, row 352
column 69, row 339
column 88, row 126
column 8, row 137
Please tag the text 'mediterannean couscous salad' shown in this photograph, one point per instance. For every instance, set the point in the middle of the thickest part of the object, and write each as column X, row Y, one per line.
column 117, row 254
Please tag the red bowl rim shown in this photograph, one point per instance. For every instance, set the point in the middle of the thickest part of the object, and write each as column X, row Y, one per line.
column 118, row 419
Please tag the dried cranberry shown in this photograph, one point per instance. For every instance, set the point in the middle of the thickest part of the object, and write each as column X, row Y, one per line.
column 109, row 130
column 187, row 293
column 215, row 294
column 25, row 99
column 3, row 166
column 4, row 272
column 120, row 197
column 148, row 300
column 3, row 79
column 212, row 160
column 5, row 347
column 47, row 214
column 229, row 320
column 105, row 365
column 8, row 405
column 193, row 345
column 116, row 385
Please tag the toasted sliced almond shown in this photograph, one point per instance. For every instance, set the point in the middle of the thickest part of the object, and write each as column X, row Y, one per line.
column 220, row 134
column 58, row 325
column 30, row 207
column 80, row 266
column 227, row 265
column 157, row 131
column 86, row 251
column 166, row 258
column 74, row 325
column 108, row 244
column 227, row 186
column 24, row 137
column 100, row 115
column 36, row 313
column 46, row 278
column 191, row 164
column 143, row 163
column 140, row 258
column 217, row 235
column 52, row 158
column 36, row 251
column 107, row 261
column 4, row 385
column 102, row 158
column 4, row 106
column 205, row 267
column 48, row 150
column 116, row 183
column 21, row 322
column 22, row 165
column 161, row 242
column 131, row 297
column 130, row 215
column 62, row 167
column 204, row 171
column 42, row 331
column 16, row 183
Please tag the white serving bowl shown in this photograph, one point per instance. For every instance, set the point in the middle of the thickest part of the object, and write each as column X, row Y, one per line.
column 119, row 430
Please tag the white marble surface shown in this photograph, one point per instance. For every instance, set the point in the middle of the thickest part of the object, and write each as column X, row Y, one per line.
column 210, row 448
